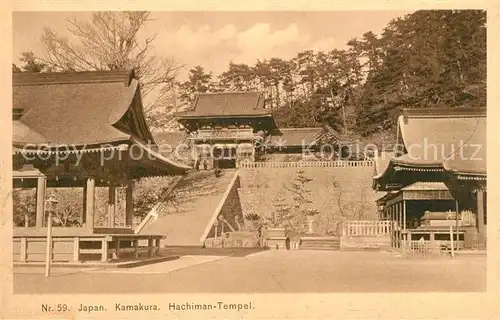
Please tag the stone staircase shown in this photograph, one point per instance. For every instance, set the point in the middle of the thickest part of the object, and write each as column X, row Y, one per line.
column 185, row 218
column 320, row 243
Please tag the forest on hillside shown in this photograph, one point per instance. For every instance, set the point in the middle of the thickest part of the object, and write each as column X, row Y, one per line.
column 429, row 58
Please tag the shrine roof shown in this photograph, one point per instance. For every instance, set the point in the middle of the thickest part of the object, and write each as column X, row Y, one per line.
column 227, row 104
column 452, row 140
column 77, row 108
column 426, row 186
column 291, row 137
column 84, row 112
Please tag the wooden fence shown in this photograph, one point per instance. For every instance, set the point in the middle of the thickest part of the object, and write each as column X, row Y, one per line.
column 367, row 228
column 478, row 243
column 421, row 249
column 305, row 164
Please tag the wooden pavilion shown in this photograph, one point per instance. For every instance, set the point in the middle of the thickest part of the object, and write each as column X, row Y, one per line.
column 439, row 165
column 227, row 127
column 82, row 130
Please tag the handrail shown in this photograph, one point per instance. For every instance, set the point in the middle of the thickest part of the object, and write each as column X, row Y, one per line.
column 154, row 211
column 306, row 164
column 367, row 227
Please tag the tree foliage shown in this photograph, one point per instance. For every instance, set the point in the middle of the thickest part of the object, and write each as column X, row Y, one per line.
column 425, row 59
column 112, row 41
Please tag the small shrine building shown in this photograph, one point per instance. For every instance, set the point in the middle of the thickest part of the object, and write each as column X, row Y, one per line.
column 228, row 127
column 436, row 172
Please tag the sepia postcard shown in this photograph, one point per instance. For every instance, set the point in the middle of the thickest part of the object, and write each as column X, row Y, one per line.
column 267, row 160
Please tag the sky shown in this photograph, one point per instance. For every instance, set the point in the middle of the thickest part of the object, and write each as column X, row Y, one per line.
column 214, row 38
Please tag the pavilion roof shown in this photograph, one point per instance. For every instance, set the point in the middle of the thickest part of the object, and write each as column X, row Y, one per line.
column 471, row 157
column 76, row 108
column 446, row 140
column 420, row 190
column 84, row 112
column 291, row 137
column 426, row 186
column 227, row 104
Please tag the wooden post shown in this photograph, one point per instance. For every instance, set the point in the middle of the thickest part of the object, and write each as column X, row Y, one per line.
column 480, row 213
column 48, row 255
column 40, row 201
column 136, row 248
column 111, row 206
column 157, row 246
column 150, row 246
column 24, row 249
column 76, row 249
column 104, row 250
column 451, row 241
column 457, row 211
column 432, row 240
column 84, row 205
column 129, row 203
column 117, row 248
column 90, row 203
column 404, row 215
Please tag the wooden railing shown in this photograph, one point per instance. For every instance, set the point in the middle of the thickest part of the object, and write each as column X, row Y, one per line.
column 421, row 249
column 367, row 228
column 306, row 164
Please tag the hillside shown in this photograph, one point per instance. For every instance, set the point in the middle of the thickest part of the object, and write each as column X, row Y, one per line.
column 352, row 198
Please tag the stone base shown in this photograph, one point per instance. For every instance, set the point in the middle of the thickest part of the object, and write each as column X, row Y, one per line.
column 380, row 242
column 316, row 242
column 237, row 242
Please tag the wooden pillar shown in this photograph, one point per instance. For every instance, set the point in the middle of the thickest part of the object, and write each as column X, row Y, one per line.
column 404, row 214
column 90, row 203
column 481, row 229
column 111, row 205
column 157, row 246
column 84, row 205
column 129, row 203
column 40, row 201
column 400, row 210
column 104, row 250
column 151, row 248
column 136, row 248
column 117, row 248
column 76, row 249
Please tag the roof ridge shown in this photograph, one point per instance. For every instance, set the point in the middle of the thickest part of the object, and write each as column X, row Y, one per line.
column 443, row 112
column 79, row 77
column 301, row 128
column 229, row 92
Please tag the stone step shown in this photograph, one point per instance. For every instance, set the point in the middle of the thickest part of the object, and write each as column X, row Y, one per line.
column 318, row 248
column 320, row 244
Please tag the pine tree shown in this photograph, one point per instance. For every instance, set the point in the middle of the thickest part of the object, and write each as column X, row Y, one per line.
column 301, row 207
column 282, row 215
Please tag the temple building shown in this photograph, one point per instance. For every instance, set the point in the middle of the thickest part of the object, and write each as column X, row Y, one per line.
column 437, row 172
column 82, row 130
column 228, row 127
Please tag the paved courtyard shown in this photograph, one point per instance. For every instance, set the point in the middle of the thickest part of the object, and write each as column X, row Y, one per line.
column 268, row 272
